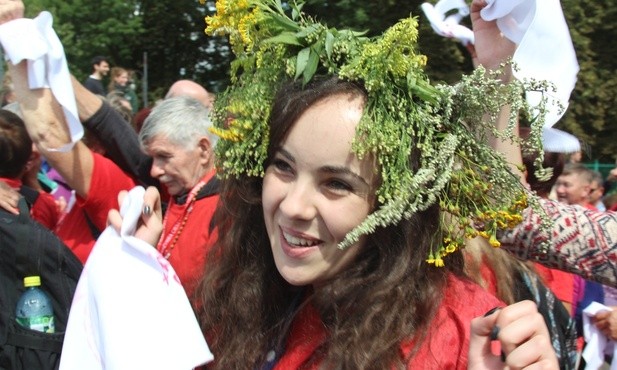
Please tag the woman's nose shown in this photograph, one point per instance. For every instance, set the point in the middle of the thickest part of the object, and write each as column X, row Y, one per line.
column 298, row 201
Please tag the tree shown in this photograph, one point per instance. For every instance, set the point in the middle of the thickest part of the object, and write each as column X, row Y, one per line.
column 171, row 33
column 591, row 115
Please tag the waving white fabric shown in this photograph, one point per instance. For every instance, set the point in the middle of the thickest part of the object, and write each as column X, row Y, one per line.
column 544, row 51
column 34, row 40
column 597, row 343
column 448, row 25
column 129, row 309
column 557, row 141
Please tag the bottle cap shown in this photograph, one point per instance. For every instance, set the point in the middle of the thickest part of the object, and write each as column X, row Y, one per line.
column 32, row 281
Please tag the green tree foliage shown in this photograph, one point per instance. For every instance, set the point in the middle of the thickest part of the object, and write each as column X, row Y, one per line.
column 170, row 33
column 107, row 27
column 592, row 115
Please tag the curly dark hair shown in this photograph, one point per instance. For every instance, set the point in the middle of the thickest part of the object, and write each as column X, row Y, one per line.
column 389, row 294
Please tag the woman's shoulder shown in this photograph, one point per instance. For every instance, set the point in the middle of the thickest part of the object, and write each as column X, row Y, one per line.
column 467, row 298
column 450, row 328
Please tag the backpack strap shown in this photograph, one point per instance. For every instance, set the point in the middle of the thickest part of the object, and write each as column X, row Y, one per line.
column 93, row 229
column 30, row 194
column 24, row 255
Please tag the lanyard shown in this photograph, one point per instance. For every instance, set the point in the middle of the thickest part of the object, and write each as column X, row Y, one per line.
column 168, row 242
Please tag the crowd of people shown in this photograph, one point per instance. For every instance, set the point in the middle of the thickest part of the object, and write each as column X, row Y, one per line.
column 286, row 227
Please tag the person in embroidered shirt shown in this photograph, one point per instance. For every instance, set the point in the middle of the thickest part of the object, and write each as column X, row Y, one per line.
column 176, row 135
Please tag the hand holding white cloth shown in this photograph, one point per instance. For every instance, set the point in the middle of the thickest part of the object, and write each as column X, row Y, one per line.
column 597, row 343
column 448, row 25
column 34, row 40
column 544, row 47
column 545, row 50
column 129, row 310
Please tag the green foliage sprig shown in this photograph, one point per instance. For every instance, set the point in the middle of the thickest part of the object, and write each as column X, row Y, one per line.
column 445, row 129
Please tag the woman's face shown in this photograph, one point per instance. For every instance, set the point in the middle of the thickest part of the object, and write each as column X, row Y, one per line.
column 315, row 191
column 122, row 79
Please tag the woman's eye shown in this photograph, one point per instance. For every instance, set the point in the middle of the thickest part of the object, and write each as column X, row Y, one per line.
column 339, row 185
column 281, row 165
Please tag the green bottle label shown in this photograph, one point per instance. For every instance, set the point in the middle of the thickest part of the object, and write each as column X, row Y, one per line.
column 43, row 324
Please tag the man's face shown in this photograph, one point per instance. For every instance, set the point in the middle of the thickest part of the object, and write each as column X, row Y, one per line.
column 178, row 168
column 572, row 189
column 595, row 192
column 102, row 68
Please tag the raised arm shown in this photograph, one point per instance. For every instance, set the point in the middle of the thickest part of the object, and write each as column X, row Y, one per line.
column 580, row 241
column 117, row 136
column 49, row 130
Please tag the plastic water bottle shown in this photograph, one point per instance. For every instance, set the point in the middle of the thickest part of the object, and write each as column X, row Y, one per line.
column 34, row 309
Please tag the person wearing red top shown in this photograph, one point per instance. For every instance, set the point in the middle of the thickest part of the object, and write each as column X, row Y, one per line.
column 16, row 154
column 88, row 214
column 95, row 180
column 176, row 135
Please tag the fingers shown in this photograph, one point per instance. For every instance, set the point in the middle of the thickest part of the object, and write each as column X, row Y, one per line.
column 150, row 225
column 10, row 10
column 114, row 219
column 480, row 354
column 10, row 205
column 121, row 195
column 9, row 198
column 524, row 337
column 152, row 202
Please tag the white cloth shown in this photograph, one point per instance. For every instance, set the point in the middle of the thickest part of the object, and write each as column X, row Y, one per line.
column 34, row 40
column 545, row 50
column 544, row 47
column 129, row 310
column 448, row 26
column 597, row 344
column 557, row 141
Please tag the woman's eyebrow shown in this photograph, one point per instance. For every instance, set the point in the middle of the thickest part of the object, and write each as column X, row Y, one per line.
column 334, row 170
column 340, row 170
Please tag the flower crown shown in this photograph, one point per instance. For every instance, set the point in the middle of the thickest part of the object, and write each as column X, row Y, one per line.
column 458, row 170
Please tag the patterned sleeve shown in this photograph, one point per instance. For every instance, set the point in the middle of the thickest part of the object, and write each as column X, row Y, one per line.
column 581, row 241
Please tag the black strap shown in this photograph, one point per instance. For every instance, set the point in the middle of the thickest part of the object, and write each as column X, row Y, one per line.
column 93, row 229
column 45, row 342
column 30, row 194
column 24, row 252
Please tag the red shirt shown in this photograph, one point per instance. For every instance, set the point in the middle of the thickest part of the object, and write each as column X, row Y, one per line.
column 107, row 181
column 195, row 239
column 560, row 282
column 44, row 210
column 446, row 345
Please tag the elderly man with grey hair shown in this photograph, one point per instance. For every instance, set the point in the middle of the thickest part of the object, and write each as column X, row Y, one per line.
column 176, row 136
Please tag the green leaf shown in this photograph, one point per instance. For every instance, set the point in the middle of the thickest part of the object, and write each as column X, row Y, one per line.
column 288, row 38
column 329, row 44
column 311, row 67
column 302, row 61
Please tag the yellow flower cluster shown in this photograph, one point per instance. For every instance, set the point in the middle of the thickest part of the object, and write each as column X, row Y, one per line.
column 236, row 18
column 469, row 209
column 393, row 54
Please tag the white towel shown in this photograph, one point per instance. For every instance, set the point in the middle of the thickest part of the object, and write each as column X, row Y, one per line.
column 129, row 310
column 597, row 344
column 544, row 47
column 34, row 40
